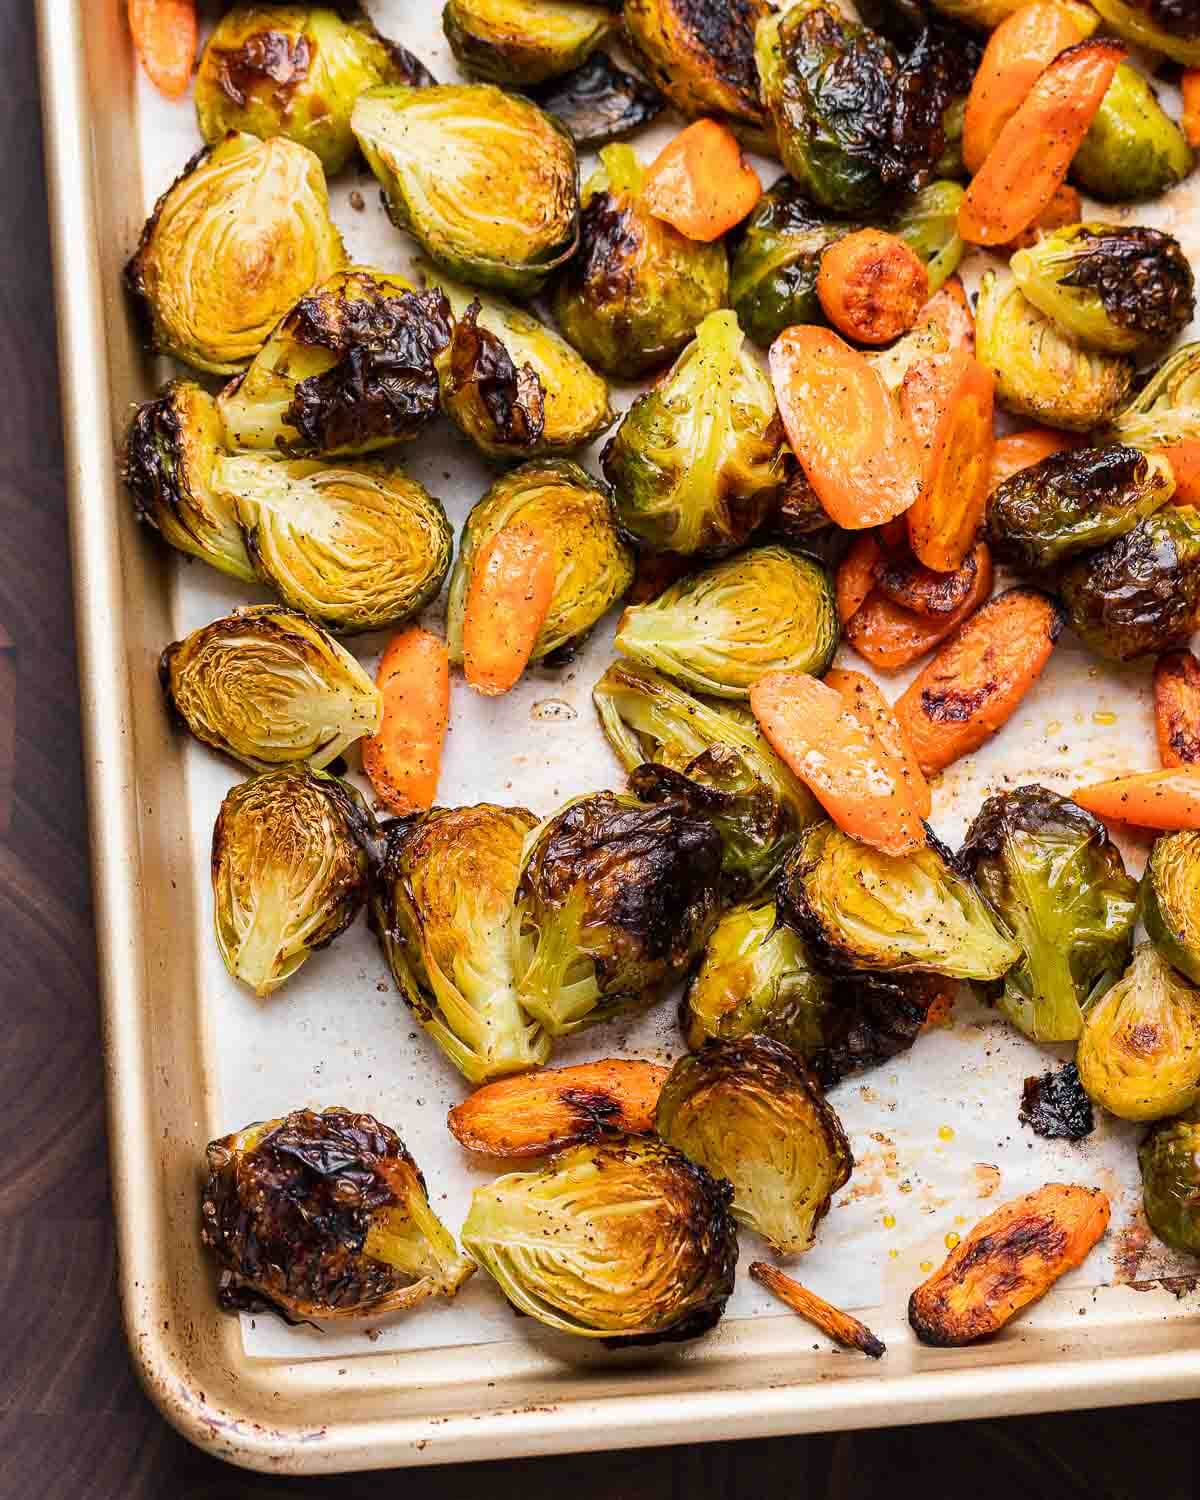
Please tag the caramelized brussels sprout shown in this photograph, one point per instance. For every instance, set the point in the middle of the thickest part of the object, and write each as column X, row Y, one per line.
column 1171, row 27
column 289, row 871
column 1169, row 900
column 595, row 566
column 600, row 102
column 699, row 457
column 442, row 908
column 797, row 515
column 353, row 546
column 1167, row 408
column 173, row 442
column 522, row 41
column 1050, row 872
column 239, row 235
column 484, row 180
column 1141, row 593
column 614, row 901
column 349, row 369
column 768, row 609
column 637, row 290
column 623, row 1240
column 269, row 687
column 1133, row 149
column 928, row 223
column 324, row 1216
column 862, row 909
column 1040, row 371
column 1170, row 1161
column 751, row 1112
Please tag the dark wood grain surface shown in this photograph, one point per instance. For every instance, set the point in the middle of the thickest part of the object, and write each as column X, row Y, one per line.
column 73, row 1423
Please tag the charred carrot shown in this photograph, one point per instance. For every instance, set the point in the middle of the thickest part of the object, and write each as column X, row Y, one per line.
column 873, row 710
column 949, row 310
column 1184, row 458
column 890, row 636
column 512, row 584
column 1167, row 799
column 1065, row 207
column 947, row 401
column 404, row 759
column 912, row 585
column 872, row 286
column 856, row 575
column 1177, row 708
column 837, row 1325
column 701, row 183
column 164, row 35
column 1021, row 450
column 1189, row 85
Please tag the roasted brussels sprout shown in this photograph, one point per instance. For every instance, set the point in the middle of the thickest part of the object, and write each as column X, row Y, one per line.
column 751, row 1112
column 1171, row 27
column 1133, row 149
column 240, row 234
column 859, row 908
column 614, row 901
column 768, row 609
column 637, row 290
column 595, row 566
column 324, row 1216
column 1167, row 408
column 1041, row 371
column 1169, row 900
column 1050, row 872
column 289, row 871
column 353, row 546
column 1170, row 1161
column 1079, row 498
column 624, row 1240
column 928, row 223
column 699, row 457
column 1141, row 593
column 442, row 908
column 173, row 442
column 1139, row 1051
column 269, row 687
column 486, row 181
column 600, row 102
column 797, row 514
column 522, row 41
column 350, row 368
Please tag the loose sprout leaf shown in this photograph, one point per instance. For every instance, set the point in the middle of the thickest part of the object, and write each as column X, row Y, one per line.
column 1167, row 408
column 1056, row 1106
column 599, row 102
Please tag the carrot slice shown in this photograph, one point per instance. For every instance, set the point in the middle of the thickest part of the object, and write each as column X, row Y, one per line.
column 1021, row 450
column 872, row 709
column 1189, row 85
column 512, row 584
column 1177, row 708
column 1184, row 459
column 1034, row 149
column 947, row 400
column 403, row 760
column 845, row 428
column 912, row 585
column 839, row 758
column 949, row 310
column 832, row 1321
column 164, row 34
column 701, row 183
column 893, row 536
column 890, row 636
column 1066, row 207
column 856, row 575
column 872, row 286
column 1167, row 799
column 976, row 682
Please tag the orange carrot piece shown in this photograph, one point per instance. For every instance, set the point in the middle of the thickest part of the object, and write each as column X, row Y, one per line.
column 1034, row 149
column 1177, row 708
column 912, row 585
column 844, row 427
column 1021, row 450
column 872, row 709
column 512, row 584
column 950, row 311
column 1190, row 86
column 701, row 183
column 890, row 637
column 1184, row 458
column 840, row 759
column 404, row 759
column 893, row 536
column 164, row 34
column 856, row 575
column 1066, row 207
column 832, row 1321
column 872, row 286
column 1167, row 799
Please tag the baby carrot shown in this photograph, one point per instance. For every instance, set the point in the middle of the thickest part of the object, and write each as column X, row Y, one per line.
column 512, row 584
column 403, row 760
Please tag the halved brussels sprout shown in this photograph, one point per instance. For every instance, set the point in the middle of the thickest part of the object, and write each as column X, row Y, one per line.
column 699, row 457
column 1051, row 873
column 324, row 1216
column 173, row 442
column 600, row 102
column 269, row 687
column 349, row 369
column 289, row 871
column 1140, row 594
column 1171, row 27
column 768, row 609
column 614, row 901
column 1079, row 498
column 442, row 908
column 1139, row 1051
column 751, row 1112
column 637, row 290
column 1041, row 371
column 1169, row 1158
column 486, row 181
column 862, row 909
column 241, row 233
column 1133, row 149
column 353, row 546
column 1167, row 408
column 1169, row 900
column 624, row 1240
column 522, row 41
column 928, row 223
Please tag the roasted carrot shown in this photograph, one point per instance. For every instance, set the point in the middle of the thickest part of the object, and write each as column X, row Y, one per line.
column 839, row 758
column 512, row 584
column 890, row 637
column 1177, row 708
column 1190, row 87
column 872, row 286
column 1168, row 799
column 949, row 310
column 845, row 428
column 1034, row 149
column 869, row 706
column 1184, row 458
column 912, row 585
column 403, row 760
column 837, row 1325
column 893, row 537
column 856, row 575
column 977, row 680
column 1021, row 450
column 701, row 183
column 164, row 34
column 1065, row 207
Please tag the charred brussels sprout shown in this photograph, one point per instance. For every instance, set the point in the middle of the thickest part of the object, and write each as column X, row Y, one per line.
column 1079, row 498
column 324, row 1216
column 1171, row 27
column 442, row 908
column 626, row 1241
column 233, row 242
column 1133, row 149
column 699, row 457
column 751, row 1112
column 600, row 102
column 768, row 609
column 1170, row 1161
column 1169, row 900
column 485, row 180
column 594, row 565
column 1051, row 873
column 522, row 41
column 289, row 871
column 1167, row 408
column 637, row 289
column 614, row 901
column 353, row 546
column 269, row 687
column 928, row 223
column 170, row 451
